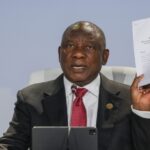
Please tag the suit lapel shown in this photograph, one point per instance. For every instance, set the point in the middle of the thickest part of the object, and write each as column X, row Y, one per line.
column 107, row 112
column 110, row 115
column 54, row 103
column 109, row 103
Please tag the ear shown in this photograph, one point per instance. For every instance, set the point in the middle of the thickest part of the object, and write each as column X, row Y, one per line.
column 105, row 56
column 59, row 49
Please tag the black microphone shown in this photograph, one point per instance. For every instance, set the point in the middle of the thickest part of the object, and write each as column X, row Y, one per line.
column 73, row 88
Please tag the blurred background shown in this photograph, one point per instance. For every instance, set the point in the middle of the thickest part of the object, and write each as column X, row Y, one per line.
column 30, row 33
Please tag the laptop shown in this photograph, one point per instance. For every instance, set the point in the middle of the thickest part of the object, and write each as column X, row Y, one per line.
column 64, row 138
column 83, row 139
column 49, row 138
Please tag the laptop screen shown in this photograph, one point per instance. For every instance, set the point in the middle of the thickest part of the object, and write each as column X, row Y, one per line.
column 49, row 138
column 64, row 138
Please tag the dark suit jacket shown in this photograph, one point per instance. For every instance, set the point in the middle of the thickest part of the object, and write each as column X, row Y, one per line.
column 44, row 104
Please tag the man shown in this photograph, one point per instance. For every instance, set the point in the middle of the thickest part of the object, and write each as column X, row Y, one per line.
column 107, row 104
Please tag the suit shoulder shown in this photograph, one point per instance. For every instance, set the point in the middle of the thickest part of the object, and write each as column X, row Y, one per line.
column 36, row 88
column 119, row 85
column 119, row 89
column 36, row 91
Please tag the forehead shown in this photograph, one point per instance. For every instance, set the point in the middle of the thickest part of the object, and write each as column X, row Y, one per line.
column 81, row 34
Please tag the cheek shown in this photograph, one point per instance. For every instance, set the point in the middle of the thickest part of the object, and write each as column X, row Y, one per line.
column 95, row 65
column 64, row 61
column 62, row 57
column 95, row 61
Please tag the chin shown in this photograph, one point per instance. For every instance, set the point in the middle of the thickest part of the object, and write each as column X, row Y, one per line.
column 80, row 81
column 78, row 78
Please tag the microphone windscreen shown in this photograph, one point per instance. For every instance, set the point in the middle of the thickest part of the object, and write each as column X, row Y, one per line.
column 73, row 88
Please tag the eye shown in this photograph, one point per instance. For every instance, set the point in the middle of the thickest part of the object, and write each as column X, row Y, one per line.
column 70, row 46
column 90, row 48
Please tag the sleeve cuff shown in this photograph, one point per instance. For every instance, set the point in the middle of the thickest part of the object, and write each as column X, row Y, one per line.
column 143, row 114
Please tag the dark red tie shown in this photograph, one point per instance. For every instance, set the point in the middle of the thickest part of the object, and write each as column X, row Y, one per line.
column 78, row 116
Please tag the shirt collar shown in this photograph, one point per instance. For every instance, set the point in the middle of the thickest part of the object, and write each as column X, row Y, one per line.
column 92, row 87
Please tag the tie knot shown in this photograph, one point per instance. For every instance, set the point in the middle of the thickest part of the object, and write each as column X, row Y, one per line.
column 80, row 92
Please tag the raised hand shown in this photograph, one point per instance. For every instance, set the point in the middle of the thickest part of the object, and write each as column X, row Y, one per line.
column 140, row 95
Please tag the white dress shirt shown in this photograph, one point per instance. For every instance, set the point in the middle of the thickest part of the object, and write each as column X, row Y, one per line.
column 90, row 100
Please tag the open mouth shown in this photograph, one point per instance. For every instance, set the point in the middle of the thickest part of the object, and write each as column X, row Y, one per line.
column 78, row 68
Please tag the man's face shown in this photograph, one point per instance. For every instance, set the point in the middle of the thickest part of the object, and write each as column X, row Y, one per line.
column 81, row 57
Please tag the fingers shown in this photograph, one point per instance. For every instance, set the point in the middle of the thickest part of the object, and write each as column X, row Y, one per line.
column 137, row 80
column 140, row 89
column 146, row 86
column 144, row 90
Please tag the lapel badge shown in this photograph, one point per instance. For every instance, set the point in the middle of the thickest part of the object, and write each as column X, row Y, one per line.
column 109, row 106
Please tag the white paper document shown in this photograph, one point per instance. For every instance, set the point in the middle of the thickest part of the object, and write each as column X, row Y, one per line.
column 141, row 41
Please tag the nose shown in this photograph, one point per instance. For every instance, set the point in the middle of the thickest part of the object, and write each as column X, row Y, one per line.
column 78, row 53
